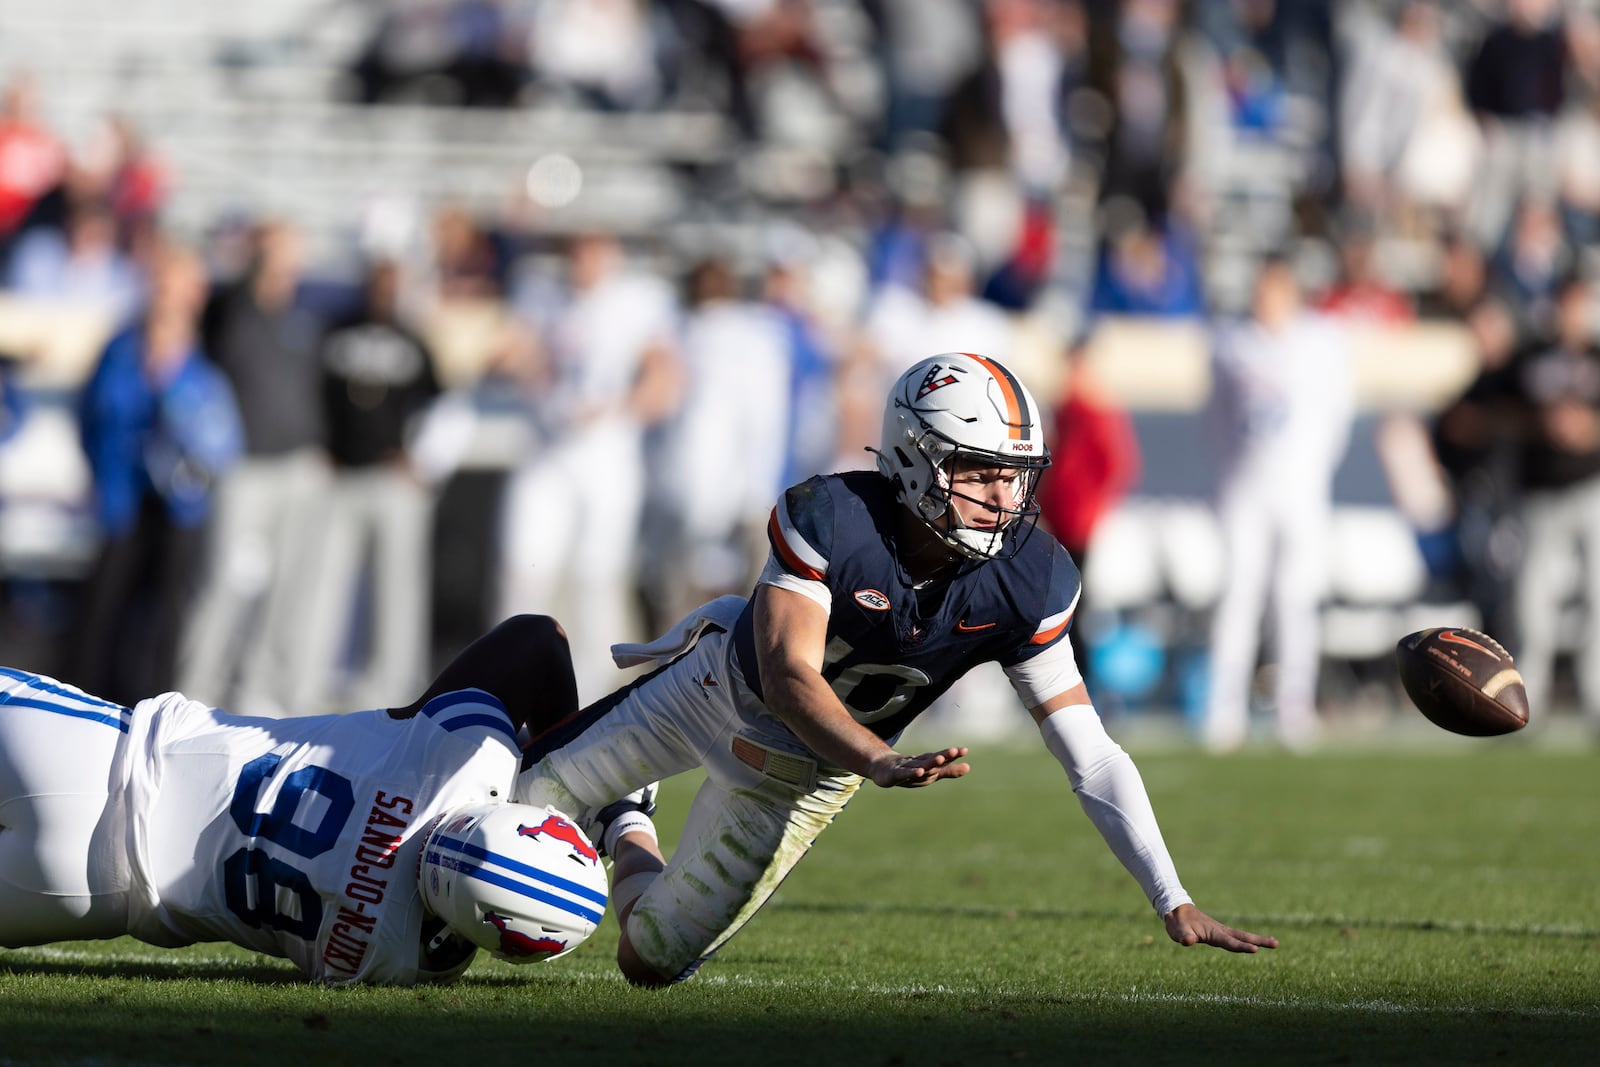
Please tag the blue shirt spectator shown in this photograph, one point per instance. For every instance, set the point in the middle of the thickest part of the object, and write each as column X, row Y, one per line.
column 170, row 433
column 1148, row 270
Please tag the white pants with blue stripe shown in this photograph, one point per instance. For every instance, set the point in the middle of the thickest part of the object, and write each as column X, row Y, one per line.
column 63, row 837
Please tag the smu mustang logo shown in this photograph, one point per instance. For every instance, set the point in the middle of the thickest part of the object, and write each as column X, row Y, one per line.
column 520, row 945
column 561, row 830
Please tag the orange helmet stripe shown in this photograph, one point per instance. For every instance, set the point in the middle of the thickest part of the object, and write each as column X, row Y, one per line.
column 1011, row 391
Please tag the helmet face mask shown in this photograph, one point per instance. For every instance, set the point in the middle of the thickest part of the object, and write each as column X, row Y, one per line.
column 957, row 413
column 523, row 882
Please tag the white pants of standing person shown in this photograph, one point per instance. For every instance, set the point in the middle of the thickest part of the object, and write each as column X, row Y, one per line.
column 1561, row 557
column 246, row 643
column 383, row 514
column 1276, row 544
column 568, row 539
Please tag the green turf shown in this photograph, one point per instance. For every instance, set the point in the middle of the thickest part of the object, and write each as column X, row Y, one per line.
column 1433, row 908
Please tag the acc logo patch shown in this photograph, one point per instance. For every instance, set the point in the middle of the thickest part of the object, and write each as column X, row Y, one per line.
column 872, row 600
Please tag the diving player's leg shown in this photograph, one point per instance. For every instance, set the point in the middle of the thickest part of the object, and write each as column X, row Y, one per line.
column 745, row 833
column 637, row 863
column 63, row 852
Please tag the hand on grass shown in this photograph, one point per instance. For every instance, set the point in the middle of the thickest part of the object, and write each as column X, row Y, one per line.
column 1188, row 925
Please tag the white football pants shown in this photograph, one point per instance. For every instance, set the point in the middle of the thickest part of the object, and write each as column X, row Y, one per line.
column 763, row 803
column 63, row 837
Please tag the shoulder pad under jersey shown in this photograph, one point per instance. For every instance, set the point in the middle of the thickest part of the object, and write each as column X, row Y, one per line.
column 801, row 529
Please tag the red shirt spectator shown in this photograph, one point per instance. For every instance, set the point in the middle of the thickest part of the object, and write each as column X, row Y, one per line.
column 31, row 158
column 1360, row 294
column 1095, row 459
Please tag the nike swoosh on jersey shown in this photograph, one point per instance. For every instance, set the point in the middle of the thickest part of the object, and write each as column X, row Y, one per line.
column 965, row 628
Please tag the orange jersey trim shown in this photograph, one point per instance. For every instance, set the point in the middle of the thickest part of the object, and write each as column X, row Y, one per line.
column 787, row 554
column 1046, row 636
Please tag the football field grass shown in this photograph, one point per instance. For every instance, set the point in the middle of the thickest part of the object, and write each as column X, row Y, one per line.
column 1433, row 907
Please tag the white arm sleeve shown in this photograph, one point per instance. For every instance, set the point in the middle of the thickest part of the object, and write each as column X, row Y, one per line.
column 1113, row 796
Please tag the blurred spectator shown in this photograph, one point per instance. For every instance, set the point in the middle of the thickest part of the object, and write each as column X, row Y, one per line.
column 813, row 432
column 1516, row 85
column 246, row 643
column 1008, row 143
column 1407, row 139
column 1361, row 293
column 1094, row 462
column 927, row 47
column 139, row 179
column 442, row 52
column 80, row 264
column 1007, row 114
column 943, row 315
column 1283, row 396
column 1576, row 148
column 13, row 403
column 703, row 67
column 377, row 380
column 1146, row 267
column 1252, row 41
column 700, row 545
column 159, row 427
column 785, row 70
column 32, row 159
column 914, row 210
column 570, row 523
column 490, row 62
column 1556, row 384
column 465, row 261
column 1461, row 282
column 1475, row 443
column 603, row 53
column 1134, row 68
column 1531, row 262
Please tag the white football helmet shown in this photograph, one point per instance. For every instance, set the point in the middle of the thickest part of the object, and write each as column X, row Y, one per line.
column 523, row 882
column 960, row 406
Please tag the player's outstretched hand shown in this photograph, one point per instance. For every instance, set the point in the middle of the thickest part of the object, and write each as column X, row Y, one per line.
column 1188, row 925
column 893, row 769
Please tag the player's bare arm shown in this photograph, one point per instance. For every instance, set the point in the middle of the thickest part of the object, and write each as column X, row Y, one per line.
column 791, row 634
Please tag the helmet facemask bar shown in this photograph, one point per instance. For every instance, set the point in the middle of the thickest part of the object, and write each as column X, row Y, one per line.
column 1016, row 521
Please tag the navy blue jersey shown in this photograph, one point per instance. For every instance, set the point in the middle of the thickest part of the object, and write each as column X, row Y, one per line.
column 893, row 649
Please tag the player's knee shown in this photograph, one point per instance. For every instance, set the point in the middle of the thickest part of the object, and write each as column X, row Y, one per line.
column 536, row 630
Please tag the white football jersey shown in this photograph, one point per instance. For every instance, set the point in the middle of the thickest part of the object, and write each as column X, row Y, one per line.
column 300, row 837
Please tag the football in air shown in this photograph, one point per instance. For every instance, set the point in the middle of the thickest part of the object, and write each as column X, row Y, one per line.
column 1463, row 681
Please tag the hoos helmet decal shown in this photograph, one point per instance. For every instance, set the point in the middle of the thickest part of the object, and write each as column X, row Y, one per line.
column 960, row 410
column 522, row 882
